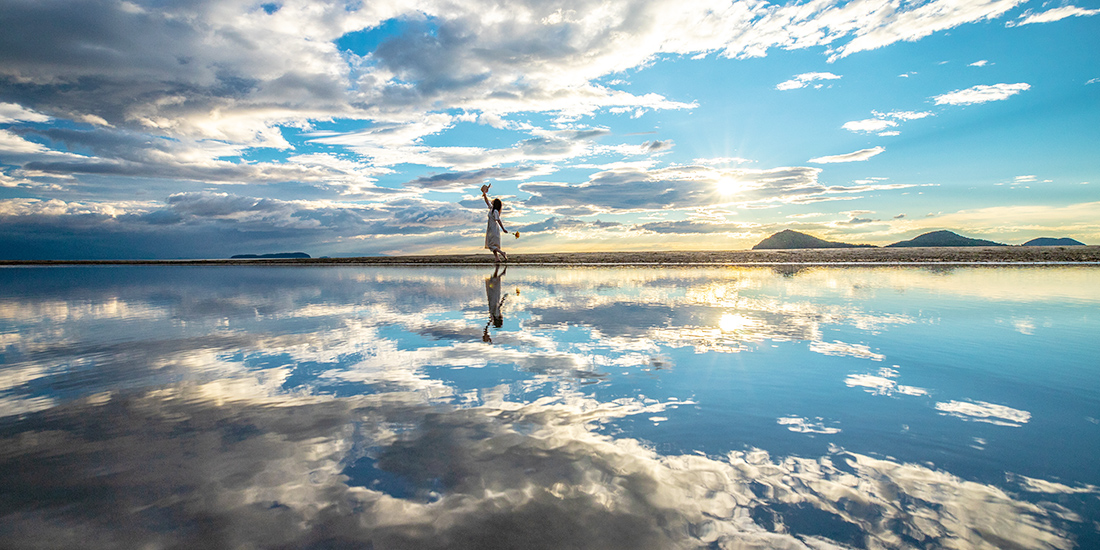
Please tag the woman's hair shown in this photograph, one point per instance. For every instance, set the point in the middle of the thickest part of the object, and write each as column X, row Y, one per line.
column 497, row 205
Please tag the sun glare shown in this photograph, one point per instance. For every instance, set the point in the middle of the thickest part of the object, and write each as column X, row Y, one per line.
column 733, row 322
column 727, row 185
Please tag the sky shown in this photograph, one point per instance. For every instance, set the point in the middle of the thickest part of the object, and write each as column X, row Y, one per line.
column 207, row 128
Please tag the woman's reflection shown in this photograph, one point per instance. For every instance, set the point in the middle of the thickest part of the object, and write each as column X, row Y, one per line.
column 492, row 292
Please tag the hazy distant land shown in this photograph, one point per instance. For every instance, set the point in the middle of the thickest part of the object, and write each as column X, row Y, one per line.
column 275, row 256
column 906, row 255
column 784, row 247
column 788, row 239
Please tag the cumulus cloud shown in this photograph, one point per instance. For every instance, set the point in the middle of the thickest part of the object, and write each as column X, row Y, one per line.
column 211, row 224
column 555, row 224
column 856, row 156
column 883, row 121
column 883, row 25
column 1051, row 15
column 127, row 155
column 680, row 187
column 856, row 221
column 10, row 112
column 692, row 227
column 185, row 96
column 903, row 115
column 981, row 94
column 456, row 181
column 236, row 71
column 393, row 144
column 870, row 125
column 802, row 80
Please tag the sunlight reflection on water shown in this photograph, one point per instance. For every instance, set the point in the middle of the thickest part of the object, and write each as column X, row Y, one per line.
column 549, row 408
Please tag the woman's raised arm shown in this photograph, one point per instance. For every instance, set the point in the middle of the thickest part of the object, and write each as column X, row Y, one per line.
column 484, row 197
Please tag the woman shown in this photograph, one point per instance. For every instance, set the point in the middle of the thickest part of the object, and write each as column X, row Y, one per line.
column 492, row 233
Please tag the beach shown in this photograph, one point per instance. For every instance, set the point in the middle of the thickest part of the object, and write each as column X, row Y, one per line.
column 838, row 256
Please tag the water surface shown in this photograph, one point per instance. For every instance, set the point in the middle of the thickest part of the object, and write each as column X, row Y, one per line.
column 388, row 407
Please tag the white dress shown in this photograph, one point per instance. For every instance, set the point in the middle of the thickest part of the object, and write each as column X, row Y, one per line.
column 492, row 233
column 492, row 292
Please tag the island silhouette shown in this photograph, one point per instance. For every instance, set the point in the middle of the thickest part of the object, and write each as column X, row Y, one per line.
column 789, row 239
column 275, row 256
column 1052, row 241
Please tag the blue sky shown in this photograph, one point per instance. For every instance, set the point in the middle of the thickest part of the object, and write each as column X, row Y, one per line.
column 133, row 129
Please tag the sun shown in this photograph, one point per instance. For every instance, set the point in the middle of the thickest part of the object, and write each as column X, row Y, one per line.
column 727, row 185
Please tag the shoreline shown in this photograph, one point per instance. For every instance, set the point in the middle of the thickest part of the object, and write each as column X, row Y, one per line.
column 992, row 255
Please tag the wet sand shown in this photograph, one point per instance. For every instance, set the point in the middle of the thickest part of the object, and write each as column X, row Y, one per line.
column 838, row 256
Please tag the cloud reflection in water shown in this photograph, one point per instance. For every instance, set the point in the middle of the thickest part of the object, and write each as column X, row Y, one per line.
column 313, row 408
column 203, row 466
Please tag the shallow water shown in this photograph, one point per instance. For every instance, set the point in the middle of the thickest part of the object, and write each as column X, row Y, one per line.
column 263, row 407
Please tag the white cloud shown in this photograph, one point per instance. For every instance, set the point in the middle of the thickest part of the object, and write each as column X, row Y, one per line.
column 981, row 94
column 457, row 181
column 862, row 154
column 636, row 189
column 1051, row 15
column 401, row 143
column 11, row 143
column 55, row 207
column 11, row 112
column 849, row 157
column 981, row 63
column 883, row 24
column 800, row 81
column 905, row 115
column 234, row 72
column 882, row 121
column 869, row 125
column 184, row 92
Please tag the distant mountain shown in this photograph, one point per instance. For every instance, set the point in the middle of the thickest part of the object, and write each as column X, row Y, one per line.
column 279, row 255
column 1051, row 241
column 793, row 239
column 944, row 238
